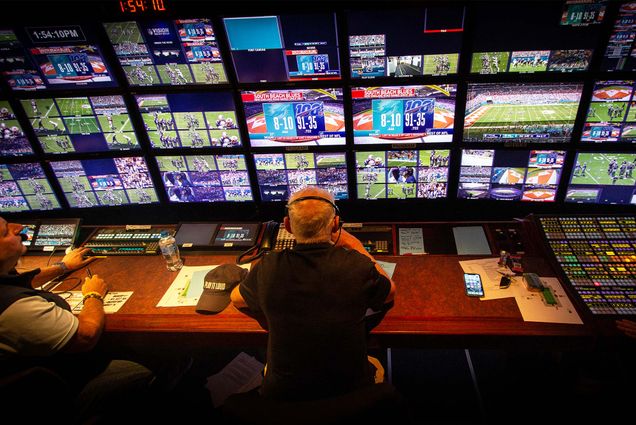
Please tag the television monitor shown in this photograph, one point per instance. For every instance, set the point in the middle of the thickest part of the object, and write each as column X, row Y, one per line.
column 282, row 174
column 16, row 66
column 518, row 112
column 405, row 42
column 402, row 174
column 582, row 13
column 13, row 141
column 205, row 178
column 531, row 61
column 190, row 120
column 294, row 117
column 603, row 178
column 612, row 113
column 619, row 53
column 81, row 124
column 54, row 57
column 24, row 187
column 88, row 183
column 168, row 52
column 287, row 47
column 57, row 233
column 403, row 114
column 510, row 175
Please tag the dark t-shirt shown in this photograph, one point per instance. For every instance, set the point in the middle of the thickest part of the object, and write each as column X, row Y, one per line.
column 314, row 299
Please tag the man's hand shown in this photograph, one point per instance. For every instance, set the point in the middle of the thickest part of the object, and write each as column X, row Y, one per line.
column 77, row 258
column 95, row 284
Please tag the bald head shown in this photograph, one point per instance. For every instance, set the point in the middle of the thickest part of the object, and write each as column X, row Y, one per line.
column 311, row 220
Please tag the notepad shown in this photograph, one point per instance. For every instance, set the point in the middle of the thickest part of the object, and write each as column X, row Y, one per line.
column 471, row 240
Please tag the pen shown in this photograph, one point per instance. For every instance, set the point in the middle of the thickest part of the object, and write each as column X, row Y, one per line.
column 88, row 272
column 97, row 256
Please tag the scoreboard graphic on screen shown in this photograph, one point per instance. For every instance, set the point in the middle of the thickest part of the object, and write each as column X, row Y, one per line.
column 403, row 114
column 294, row 117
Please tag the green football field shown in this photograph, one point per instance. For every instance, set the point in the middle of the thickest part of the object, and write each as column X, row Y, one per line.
column 599, row 111
column 150, row 76
column 153, row 103
column 123, row 32
column 596, row 170
column 50, row 146
column 330, row 161
column 223, row 163
column 429, row 64
column 504, row 118
column 46, row 108
column 292, row 160
column 72, row 107
column 398, row 162
column 476, row 67
column 84, row 125
column 375, row 191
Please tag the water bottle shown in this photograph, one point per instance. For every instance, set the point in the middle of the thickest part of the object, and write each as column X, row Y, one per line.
column 170, row 251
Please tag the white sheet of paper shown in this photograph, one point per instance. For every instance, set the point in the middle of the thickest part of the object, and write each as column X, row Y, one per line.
column 534, row 308
column 242, row 374
column 389, row 268
column 471, row 240
column 411, row 240
column 179, row 293
column 112, row 301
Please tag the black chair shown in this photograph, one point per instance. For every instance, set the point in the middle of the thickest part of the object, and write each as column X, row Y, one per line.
column 373, row 404
column 35, row 393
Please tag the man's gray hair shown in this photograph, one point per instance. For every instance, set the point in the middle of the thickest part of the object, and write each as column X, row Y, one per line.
column 311, row 219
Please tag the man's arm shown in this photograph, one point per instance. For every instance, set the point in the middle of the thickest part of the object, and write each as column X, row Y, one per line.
column 91, row 318
column 347, row 240
column 72, row 261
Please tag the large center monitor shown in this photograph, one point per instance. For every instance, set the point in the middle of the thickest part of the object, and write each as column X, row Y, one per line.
column 280, row 175
column 81, row 124
column 403, row 114
column 190, row 120
column 402, row 174
column 205, row 178
column 510, row 175
column 514, row 112
column 13, row 141
column 294, row 117
column 167, row 53
column 24, row 187
column 284, row 47
column 90, row 183
column 603, row 178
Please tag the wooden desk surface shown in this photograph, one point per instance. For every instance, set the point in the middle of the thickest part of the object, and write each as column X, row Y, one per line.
column 431, row 307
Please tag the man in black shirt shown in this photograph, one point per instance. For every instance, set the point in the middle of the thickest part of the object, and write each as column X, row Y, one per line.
column 314, row 299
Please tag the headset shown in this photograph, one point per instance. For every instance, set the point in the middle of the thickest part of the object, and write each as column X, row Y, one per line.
column 316, row 198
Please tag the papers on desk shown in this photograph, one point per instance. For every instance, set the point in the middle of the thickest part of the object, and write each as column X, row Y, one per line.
column 187, row 287
column 532, row 305
column 112, row 301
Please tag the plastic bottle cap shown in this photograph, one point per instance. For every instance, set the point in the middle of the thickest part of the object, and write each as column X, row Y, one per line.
column 164, row 233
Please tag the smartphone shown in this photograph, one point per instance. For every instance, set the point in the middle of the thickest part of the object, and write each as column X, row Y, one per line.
column 474, row 288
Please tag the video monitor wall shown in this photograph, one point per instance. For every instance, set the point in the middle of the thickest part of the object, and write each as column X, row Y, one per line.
column 620, row 54
column 402, row 174
column 281, row 48
column 168, row 52
column 611, row 116
column 312, row 117
column 191, row 120
column 403, row 114
column 81, row 124
column 405, row 42
column 510, row 175
column 13, row 141
column 516, row 112
column 205, row 178
column 53, row 57
column 24, row 187
column 88, row 183
column 603, row 178
column 282, row 174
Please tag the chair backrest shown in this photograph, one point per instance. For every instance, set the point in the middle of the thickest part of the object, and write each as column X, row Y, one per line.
column 377, row 403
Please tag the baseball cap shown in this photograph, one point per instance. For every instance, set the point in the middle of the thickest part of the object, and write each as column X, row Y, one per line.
column 217, row 286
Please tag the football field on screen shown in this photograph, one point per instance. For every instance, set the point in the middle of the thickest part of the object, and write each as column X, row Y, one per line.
column 597, row 165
